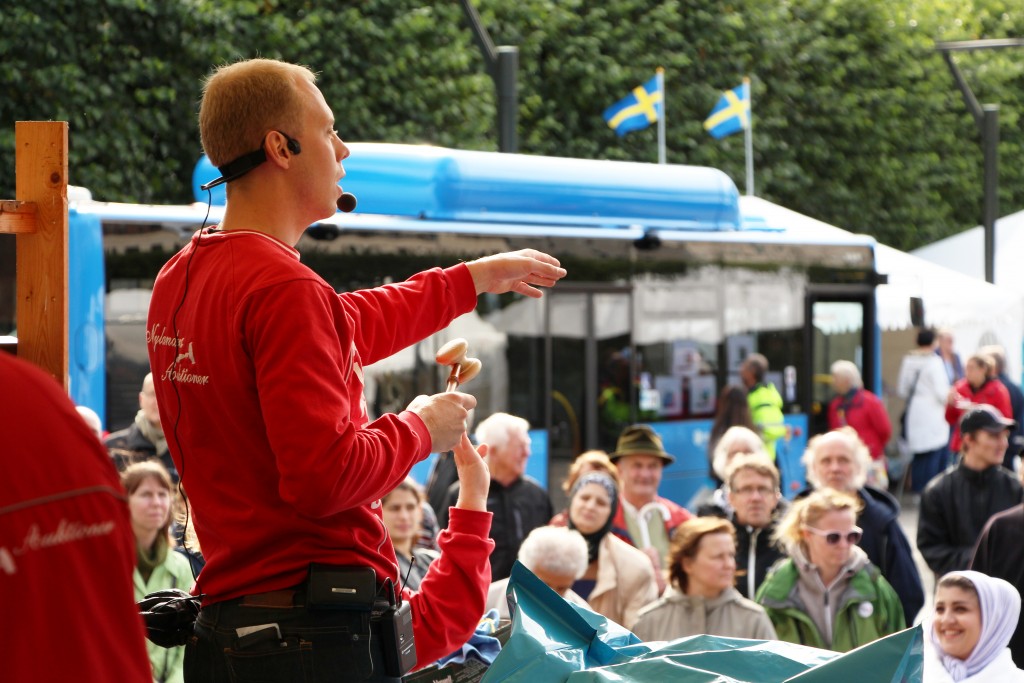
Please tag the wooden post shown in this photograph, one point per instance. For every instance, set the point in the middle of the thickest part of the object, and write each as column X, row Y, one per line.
column 41, row 163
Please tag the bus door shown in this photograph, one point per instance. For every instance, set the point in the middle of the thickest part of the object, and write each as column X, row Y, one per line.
column 588, row 360
column 839, row 330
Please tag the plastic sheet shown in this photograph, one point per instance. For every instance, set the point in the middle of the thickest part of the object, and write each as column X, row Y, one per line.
column 553, row 641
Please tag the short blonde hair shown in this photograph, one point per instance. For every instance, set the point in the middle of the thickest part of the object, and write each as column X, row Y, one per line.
column 243, row 101
column 806, row 511
column 757, row 463
column 858, row 451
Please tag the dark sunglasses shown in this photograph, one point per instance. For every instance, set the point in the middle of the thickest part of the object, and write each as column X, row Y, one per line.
column 833, row 537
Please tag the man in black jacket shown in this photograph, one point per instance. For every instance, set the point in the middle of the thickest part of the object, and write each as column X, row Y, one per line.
column 956, row 505
column 753, row 489
column 144, row 439
column 1000, row 553
column 517, row 502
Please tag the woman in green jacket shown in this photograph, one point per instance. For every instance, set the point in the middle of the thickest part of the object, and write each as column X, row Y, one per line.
column 150, row 492
column 827, row 594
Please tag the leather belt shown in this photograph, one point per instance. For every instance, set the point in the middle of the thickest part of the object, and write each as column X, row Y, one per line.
column 287, row 597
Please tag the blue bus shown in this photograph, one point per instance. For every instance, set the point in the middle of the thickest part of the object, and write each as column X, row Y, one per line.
column 673, row 279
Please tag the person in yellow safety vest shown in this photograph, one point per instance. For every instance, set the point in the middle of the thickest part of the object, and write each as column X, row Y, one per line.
column 764, row 400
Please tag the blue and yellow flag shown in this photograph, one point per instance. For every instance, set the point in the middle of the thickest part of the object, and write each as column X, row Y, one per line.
column 639, row 109
column 731, row 114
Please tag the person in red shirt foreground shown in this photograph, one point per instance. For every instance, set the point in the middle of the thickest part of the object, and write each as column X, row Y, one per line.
column 67, row 551
column 258, row 363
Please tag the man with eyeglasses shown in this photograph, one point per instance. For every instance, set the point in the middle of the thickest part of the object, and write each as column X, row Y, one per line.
column 956, row 504
column 752, row 483
column 840, row 460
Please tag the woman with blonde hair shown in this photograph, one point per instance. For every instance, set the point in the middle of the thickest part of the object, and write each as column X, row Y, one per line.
column 703, row 598
column 158, row 567
column 827, row 594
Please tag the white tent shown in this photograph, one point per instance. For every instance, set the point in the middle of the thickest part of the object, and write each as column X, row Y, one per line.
column 965, row 252
column 977, row 312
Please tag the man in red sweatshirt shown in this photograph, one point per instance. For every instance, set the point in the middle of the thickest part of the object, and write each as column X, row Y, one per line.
column 257, row 364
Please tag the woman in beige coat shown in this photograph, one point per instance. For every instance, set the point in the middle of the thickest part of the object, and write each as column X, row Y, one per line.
column 619, row 579
column 703, row 598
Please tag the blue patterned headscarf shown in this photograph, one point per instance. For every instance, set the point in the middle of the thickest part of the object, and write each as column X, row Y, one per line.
column 602, row 479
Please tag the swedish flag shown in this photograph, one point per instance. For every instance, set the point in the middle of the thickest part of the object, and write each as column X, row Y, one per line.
column 731, row 114
column 639, row 109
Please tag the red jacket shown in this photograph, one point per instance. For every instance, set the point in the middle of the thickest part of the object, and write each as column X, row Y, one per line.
column 991, row 392
column 866, row 413
column 268, row 427
column 67, row 551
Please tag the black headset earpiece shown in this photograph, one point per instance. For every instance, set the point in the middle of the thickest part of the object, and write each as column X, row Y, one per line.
column 245, row 163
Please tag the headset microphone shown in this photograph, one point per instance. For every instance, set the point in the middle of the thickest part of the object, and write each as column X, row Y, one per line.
column 347, row 202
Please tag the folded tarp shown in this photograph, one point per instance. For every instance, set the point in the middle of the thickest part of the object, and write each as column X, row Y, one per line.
column 553, row 641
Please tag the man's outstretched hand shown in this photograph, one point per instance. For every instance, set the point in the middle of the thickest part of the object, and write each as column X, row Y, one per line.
column 517, row 271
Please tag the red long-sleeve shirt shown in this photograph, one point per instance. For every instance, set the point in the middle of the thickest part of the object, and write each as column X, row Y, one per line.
column 268, row 426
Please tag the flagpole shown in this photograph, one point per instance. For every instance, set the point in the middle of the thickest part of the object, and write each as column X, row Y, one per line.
column 661, row 119
column 749, row 137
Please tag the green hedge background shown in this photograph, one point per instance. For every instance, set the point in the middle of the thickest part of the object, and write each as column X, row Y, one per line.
column 857, row 120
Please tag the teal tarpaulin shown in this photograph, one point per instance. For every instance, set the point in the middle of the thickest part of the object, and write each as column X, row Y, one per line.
column 553, row 641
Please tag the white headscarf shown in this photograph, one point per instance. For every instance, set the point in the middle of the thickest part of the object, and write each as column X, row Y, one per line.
column 1000, row 608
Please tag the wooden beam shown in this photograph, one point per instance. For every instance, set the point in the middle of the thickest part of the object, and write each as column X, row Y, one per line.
column 41, row 164
column 17, row 217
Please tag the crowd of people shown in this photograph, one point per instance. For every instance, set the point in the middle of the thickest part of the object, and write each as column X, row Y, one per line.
column 309, row 548
column 832, row 568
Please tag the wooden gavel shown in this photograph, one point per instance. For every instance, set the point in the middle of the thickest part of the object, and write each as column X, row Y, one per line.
column 463, row 369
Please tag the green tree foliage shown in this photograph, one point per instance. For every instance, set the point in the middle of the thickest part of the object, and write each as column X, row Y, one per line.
column 857, row 119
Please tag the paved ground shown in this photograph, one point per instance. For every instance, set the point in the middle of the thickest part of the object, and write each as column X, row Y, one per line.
column 908, row 520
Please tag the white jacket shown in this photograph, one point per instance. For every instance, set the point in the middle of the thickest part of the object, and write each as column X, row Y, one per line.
column 1000, row 670
column 927, row 428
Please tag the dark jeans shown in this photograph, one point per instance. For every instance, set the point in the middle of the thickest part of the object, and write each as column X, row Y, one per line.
column 927, row 465
column 314, row 646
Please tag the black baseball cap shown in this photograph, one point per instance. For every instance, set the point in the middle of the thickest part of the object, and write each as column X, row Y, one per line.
column 985, row 417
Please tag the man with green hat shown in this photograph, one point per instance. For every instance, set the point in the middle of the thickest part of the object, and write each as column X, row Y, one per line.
column 644, row 518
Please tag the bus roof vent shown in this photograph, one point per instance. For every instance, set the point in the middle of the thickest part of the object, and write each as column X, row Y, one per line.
column 435, row 183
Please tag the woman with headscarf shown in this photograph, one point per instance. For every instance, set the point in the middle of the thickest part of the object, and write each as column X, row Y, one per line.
column 703, row 598
column 619, row 579
column 974, row 617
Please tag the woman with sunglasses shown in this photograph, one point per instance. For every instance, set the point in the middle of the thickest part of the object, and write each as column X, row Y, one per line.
column 827, row 594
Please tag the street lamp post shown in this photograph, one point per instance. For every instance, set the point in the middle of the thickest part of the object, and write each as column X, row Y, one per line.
column 502, row 63
column 987, row 119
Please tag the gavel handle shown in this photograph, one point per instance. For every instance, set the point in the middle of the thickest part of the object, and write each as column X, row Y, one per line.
column 453, row 378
